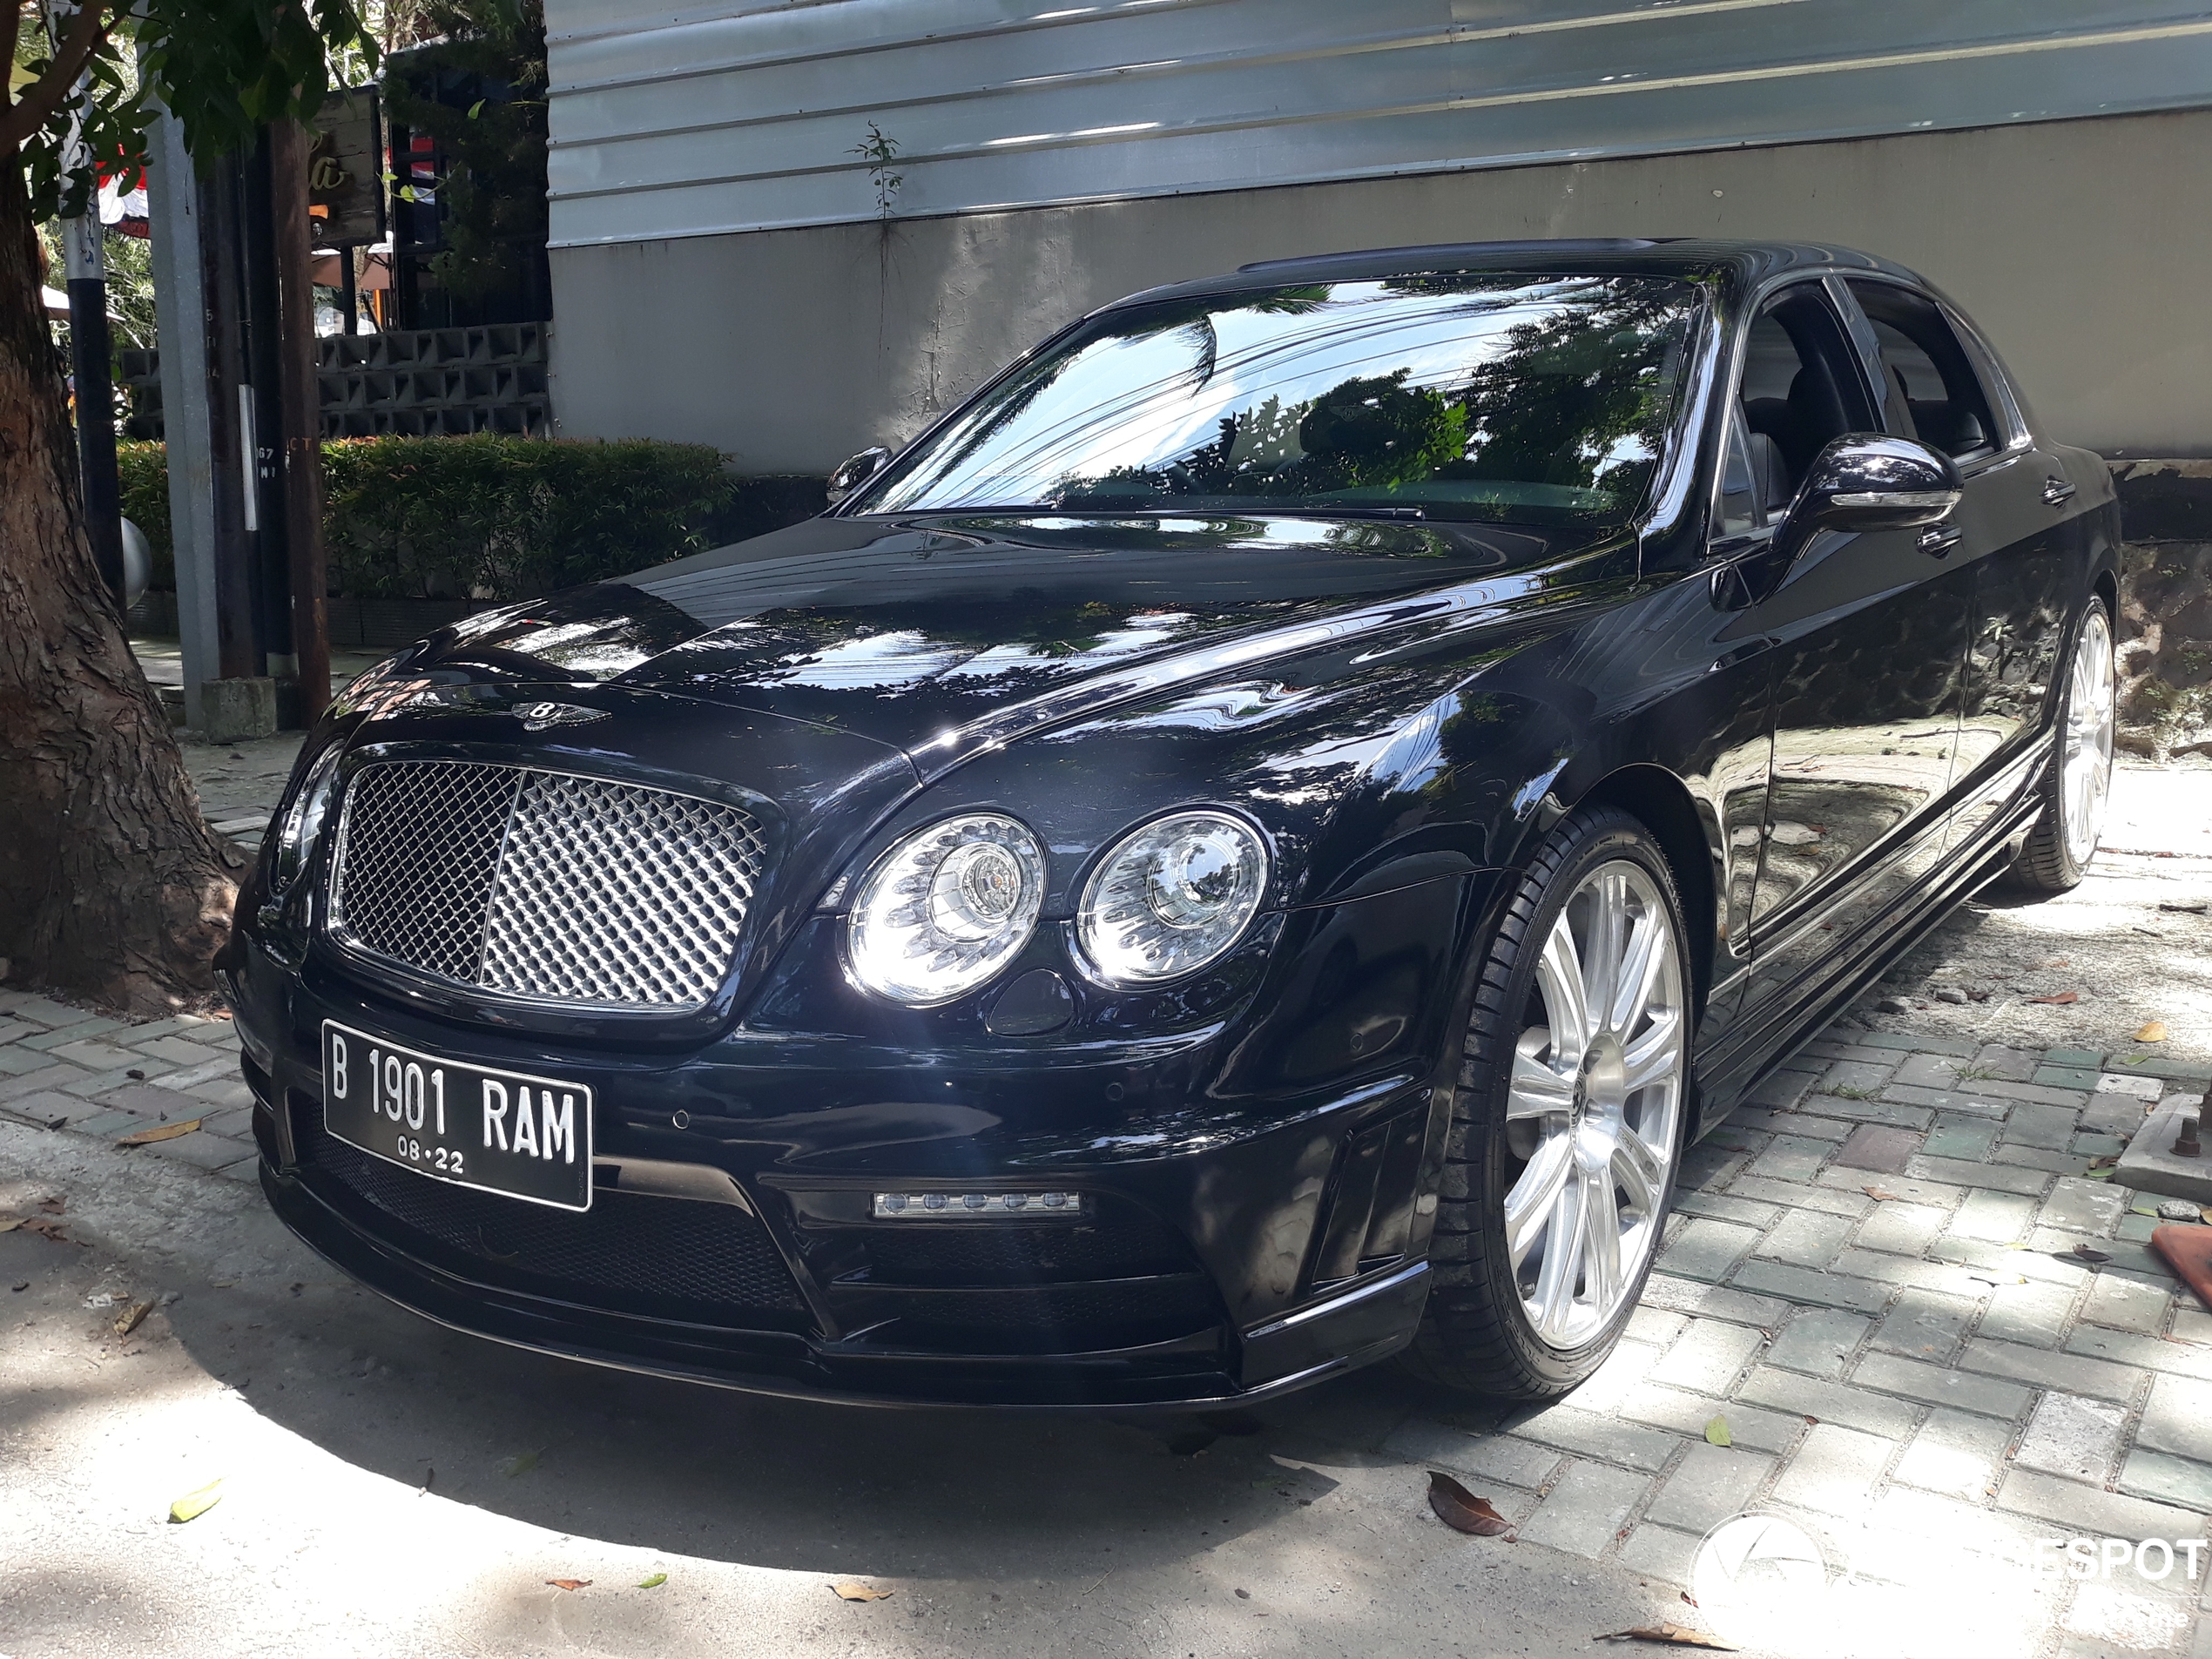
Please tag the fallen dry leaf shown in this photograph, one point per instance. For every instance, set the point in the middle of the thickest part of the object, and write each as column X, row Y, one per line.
column 1716, row 1433
column 2154, row 1031
column 851, row 1589
column 9, row 1224
column 568, row 1584
column 2105, row 1161
column 2080, row 1252
column 1679, row 1636
column 47, row 1227
column 52, row 1206
column 161, row 1132
column 193, row 1504
column 2059, row 999
column 1460, row 1510
column 1878, row 1194
column 127, row 1321
column 652, row 1580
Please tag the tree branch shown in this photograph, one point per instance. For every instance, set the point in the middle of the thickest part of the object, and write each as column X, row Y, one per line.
column 11, row 28
column 86, row 30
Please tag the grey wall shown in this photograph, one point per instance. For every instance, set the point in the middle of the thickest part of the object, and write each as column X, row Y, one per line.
column 2081, row 247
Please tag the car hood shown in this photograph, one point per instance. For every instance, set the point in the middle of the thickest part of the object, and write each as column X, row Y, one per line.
column 944, row 634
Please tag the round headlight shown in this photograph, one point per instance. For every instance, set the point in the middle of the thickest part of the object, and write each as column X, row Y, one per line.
column 1170, row 897
column 946, row 908
column 301, row 824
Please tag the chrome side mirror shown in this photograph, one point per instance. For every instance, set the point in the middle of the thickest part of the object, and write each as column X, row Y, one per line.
column 1864, row 482
column 853, row 474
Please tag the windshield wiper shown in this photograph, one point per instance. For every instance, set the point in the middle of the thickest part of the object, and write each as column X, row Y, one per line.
column 1306, row 511
column 1256, row 508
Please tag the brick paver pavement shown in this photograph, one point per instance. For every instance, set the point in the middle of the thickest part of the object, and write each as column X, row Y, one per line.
column 1870, row 1278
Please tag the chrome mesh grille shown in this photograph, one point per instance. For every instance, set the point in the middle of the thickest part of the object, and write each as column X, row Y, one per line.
column 542, row 884
column 422, row 848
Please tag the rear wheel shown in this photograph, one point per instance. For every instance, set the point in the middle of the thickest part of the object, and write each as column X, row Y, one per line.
column 1567, row 1120
column 2059, row 848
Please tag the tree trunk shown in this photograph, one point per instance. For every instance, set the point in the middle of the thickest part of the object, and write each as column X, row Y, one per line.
column 111, row 887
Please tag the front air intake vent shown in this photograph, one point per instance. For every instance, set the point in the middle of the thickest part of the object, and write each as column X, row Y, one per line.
column 1371, row 1204
column 543, row 885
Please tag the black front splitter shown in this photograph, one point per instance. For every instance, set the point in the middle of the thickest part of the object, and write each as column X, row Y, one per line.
column 778, row 1363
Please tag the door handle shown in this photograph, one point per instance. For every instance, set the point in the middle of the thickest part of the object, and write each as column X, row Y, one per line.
column 1938, row 540
column 2058, row 491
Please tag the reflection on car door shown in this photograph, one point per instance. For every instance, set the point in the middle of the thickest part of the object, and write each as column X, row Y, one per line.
column 2014, row 541
column 1870, row 632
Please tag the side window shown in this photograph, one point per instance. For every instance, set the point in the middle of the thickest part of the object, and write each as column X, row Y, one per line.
column 1739, row 507
column 1932, row 385
column 1800, row 390
column 1998, row 387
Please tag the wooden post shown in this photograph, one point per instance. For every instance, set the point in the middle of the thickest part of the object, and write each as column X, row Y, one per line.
column 302, row 416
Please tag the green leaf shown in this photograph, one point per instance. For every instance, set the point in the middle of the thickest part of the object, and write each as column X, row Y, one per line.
column 520, row 1465
column 1716, row 1433
column 652, row 1580
column 193, row 1504
column 475, row 109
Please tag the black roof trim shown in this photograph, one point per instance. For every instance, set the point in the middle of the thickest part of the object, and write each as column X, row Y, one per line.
column 1564, row 248
column 1738, row 264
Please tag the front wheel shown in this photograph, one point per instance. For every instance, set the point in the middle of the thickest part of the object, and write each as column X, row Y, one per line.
column 1567, row 1120
column 2057, row 854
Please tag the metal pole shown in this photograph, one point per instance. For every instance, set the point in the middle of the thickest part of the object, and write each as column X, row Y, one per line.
column 91, row 361
column 301, row 404
column 228, row 395
column 180, row 306
column 263, row 369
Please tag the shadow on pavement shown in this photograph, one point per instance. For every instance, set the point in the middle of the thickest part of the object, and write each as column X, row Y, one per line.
column 641, row 1461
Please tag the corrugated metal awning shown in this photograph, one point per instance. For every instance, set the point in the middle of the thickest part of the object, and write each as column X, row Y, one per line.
column 745, row 117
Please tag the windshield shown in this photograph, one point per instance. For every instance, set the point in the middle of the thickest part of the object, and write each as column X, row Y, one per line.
column 1466, row 395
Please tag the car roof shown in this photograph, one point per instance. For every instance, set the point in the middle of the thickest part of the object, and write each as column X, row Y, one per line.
column 1736, row 264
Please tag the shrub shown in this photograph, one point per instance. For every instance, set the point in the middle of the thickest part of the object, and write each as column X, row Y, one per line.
column 503, row 517
column 143, row 471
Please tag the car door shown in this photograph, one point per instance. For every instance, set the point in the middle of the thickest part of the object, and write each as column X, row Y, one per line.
column 1870, row 633
column 2015, row 529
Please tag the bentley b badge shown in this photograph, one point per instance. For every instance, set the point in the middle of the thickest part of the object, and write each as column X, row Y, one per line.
column 536, row 717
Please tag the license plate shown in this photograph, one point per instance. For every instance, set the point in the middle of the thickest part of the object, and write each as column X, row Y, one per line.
column 502, row 1132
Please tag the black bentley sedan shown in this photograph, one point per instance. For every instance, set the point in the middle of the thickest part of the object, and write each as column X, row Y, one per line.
column 1253, row 846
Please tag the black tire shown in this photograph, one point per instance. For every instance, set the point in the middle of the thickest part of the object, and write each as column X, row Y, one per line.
column 1476, row 1335
column 2045, row 862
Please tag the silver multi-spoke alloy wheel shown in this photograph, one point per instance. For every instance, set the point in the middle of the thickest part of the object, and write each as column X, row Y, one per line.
column 1593, row 1104
column 2085, row 764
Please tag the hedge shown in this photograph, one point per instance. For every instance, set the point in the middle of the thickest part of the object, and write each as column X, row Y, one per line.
column 498, row 517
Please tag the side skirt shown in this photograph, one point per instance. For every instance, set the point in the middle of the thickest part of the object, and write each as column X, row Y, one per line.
column 1754, row 1052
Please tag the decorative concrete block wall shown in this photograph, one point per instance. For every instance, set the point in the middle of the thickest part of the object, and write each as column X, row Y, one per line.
column 2166, row 608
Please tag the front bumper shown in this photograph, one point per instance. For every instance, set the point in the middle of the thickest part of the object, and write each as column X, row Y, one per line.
column 1234, row 1250
column 1373, row 1322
